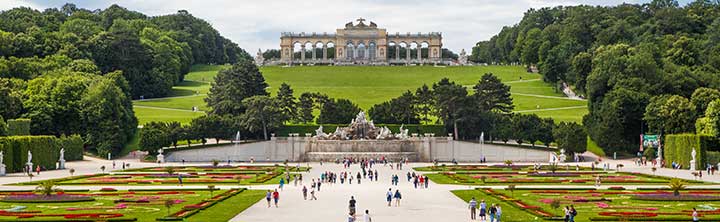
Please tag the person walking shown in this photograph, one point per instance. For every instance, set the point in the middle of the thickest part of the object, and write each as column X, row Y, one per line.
column 276, row 197
column 282, row 183
column 493, row 211
column 268, row 196
column 397, row 197
column 366, row 217
column 351, row 206
column 695, row 215
column 376, row 175
column 318, row 185
column 483, row 209
column 498, row 213
column 295, row 180
column 304, row 191
column 472, row 206
column 427, row 181
column 180, row 179
column 567, row 213
column 351, row 218
column 389, row 196
column 573, row 213
column 312, row 195
column 359, row 177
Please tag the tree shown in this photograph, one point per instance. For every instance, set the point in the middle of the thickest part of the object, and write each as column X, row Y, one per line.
column 670, row 115
column 398, row 110
column 54, row 103
column 711, row 121
column 448, row 101
column 305, row 114
column 3, row 127
column 545, row 131
column 702, row 97
column 11, row 97
column 174, row 132
column 338, row 111
column 492, row 95
column 502, row 128
column 233, row 85
column 262, row 113
column 287, row 102
column 580, row 68
column 424, row 101
column 525, row 128
column 615, row 125
column 571, row 137
column 108, row 117
column 214, row 126
column 154, row 136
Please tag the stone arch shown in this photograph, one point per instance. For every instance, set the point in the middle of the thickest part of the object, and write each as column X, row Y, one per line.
column 391, row 50
column 330, row 50
column 372, row 50
column 349, row 50
column 297, row 50
column 414, row 46
column 402, row 50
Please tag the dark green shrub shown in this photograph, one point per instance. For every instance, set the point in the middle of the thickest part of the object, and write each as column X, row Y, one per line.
column 678, row 148
column 18, row 127
column 74, row 147
column 45, row 151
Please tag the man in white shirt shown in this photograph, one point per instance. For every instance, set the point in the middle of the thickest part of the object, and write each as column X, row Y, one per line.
column 367, row 217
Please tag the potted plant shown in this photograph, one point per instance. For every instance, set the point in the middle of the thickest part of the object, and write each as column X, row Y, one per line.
column 676, row 185
column 72, row 171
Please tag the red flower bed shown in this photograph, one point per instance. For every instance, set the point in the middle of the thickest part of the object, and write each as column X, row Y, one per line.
column 628, row 214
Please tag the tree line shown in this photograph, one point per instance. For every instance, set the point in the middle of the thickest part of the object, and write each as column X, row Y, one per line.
column 75, row 71
column 239, row 102
column 639, row 65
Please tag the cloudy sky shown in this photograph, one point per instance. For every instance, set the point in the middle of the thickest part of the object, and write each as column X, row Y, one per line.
column 254, row 24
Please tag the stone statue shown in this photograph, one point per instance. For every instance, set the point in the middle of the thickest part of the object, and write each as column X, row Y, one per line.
column 160, row 157
column 2, row 163
column 29, row 157
column 160, row 151
column 62, row 153
column 463, row 59
column 259, row 59
column 403, row 134
column 692, row 162
column 692, row 154
column 61, row 161
column 320, row 134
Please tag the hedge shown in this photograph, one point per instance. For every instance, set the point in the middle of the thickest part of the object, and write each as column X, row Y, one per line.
column 679, row 146
column 45, row 150
column 438, row 130
column 18, row 127
column 74, row 147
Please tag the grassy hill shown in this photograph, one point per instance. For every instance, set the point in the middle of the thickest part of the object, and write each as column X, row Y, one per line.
column 367, row 86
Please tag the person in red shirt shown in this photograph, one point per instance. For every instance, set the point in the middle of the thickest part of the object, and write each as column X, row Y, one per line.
column 276, row 197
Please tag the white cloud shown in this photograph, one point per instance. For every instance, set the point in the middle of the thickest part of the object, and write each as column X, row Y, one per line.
column 256, row 24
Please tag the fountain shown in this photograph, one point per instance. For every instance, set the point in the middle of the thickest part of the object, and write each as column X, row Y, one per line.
column 362, row 139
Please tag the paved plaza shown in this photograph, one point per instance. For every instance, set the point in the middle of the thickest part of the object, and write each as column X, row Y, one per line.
column 434, row 204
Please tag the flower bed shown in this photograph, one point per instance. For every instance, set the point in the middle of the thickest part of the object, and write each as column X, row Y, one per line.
column 672, row 197
column 57, row 198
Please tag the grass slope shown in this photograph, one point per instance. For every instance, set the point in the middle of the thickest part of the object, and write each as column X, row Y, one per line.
column 366, row 86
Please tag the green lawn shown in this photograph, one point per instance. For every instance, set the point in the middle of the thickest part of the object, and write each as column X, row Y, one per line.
column 147, row 114
column 123, row 205
column 597, row 205
column 366, row 86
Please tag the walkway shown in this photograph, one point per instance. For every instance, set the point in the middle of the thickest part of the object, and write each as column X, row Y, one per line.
column 434, row 204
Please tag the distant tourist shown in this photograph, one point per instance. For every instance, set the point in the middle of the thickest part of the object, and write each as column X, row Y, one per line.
column 180, row 179
column 472, row 206
column 312, row 195
column 498, row 213
column 573, row 213
column 268, row 196
column 282, row 183
column 351, row 218
column 567, row 213
column 376, row 175
column 304, row 191
column 276, row 197
column 483, row 209
column 389, row 196
column 366, row 217
column 351, row 206
column 397, row 197
column 492, row 213
column 695, row 215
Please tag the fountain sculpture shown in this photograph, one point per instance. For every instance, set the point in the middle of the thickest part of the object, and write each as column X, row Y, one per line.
column 361, row 129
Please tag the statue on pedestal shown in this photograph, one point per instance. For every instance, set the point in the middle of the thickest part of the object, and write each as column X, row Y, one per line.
column 160, row 156
column 2, row 163
column 692, row 162
column 463, row 58
column 29, row 161
column 562, row 156
column 61, row 161
column 259, row 59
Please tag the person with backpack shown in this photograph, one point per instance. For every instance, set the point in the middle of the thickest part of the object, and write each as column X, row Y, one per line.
column 304, row 191
column 352, row 206
column 397, row 197
column 493, row 211
column 573, row 213
column 389, row 196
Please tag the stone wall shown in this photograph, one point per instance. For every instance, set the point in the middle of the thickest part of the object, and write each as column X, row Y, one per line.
column 423, row 149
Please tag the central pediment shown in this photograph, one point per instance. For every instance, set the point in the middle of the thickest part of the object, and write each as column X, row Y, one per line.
column 360, row 25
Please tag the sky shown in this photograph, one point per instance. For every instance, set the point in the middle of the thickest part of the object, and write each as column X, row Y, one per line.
column 254, row 24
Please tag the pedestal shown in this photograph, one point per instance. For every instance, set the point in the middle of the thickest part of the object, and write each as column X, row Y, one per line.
column 161, row 158
column 30, row 167
column 61, row 164
column 2, row 169
column 692, row 165
column 562, row 158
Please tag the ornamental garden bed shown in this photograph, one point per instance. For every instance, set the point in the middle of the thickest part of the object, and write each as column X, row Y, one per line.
column 557, row 178
column 600, row 205
column 125, row 205
column 500, row 167
column 158, row 178
column 219, row 168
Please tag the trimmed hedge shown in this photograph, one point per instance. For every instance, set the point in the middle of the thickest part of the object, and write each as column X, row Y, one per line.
column 74, row 147
column 679, row 146
column 45, row 151
column 420, row 129
column 18, row 127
